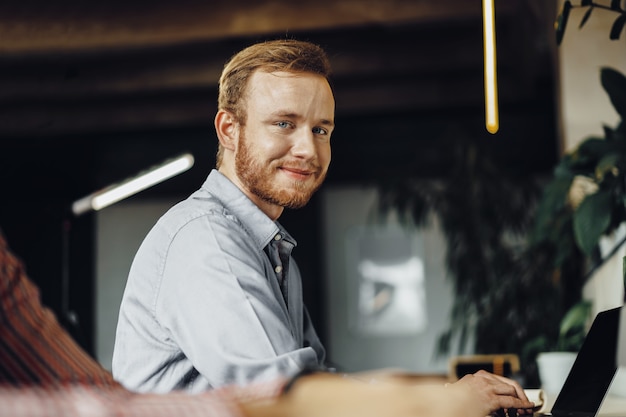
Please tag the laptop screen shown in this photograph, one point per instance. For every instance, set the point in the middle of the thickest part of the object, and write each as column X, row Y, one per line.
column 592, row 372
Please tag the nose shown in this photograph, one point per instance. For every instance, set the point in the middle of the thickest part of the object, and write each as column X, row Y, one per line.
column 304, row 144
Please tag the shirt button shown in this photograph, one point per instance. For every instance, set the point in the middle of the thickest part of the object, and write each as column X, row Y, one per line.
column 278, row 269
column 278, row 237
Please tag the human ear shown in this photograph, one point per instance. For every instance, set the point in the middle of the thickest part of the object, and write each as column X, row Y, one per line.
column 227, row 129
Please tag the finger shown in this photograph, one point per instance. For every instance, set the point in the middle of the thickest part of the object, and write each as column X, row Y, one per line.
column 511, row 412
column 516, row 403
column 519, row 391
column 518, row 388
column 505, row 389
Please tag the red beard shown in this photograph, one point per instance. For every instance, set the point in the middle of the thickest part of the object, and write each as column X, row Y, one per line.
column 257, row 177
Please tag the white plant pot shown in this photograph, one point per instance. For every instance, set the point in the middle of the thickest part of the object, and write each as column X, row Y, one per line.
column 553, row 369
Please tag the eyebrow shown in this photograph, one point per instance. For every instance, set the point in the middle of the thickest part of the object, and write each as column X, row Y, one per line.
column 328, row 123
column 323, row 122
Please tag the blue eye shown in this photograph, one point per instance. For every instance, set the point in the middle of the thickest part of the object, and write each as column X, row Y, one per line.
column 283, row 124
column 320, row 131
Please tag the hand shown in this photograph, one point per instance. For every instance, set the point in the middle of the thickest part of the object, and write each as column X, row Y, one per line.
column 497, row 393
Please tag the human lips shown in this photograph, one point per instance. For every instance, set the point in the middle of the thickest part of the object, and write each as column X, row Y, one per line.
column 298, row 172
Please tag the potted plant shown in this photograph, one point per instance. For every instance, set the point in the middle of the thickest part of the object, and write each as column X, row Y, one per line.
column 555, row 357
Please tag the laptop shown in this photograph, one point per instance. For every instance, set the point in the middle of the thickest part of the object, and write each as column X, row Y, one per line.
column 593, row 370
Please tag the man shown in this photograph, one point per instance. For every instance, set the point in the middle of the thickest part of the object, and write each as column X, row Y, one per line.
column 214, row 296
column 43, row 372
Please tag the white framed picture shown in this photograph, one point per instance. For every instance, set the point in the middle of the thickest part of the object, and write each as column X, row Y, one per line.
column 386, row 281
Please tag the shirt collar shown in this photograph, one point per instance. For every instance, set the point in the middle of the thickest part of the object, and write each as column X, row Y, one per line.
column 259, row 225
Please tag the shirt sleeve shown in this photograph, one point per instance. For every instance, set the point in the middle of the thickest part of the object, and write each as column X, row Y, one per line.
column 34, row 348
column 218, row 304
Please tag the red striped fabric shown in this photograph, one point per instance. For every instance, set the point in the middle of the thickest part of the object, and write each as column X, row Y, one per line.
column 84, row 401
column 34, row 348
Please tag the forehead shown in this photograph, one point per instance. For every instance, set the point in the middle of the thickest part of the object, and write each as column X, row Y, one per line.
column 282, row 88
column 286, row 81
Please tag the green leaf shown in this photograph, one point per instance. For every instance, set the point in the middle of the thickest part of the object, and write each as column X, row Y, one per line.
column 617, row 27
column 614, row 83
column 608, row 164
column 575, row 318
column 564, row 167
column 536, row 345
column 561, row 21
column 553, row 200
column 585, row 17
column 552, row 215
column 585, row 158
column 592, row 219
column 556, row 193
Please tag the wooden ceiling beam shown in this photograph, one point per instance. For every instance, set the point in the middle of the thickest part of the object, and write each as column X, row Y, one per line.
column 30, row 26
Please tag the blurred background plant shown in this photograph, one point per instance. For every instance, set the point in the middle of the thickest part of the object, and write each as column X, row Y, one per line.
column 520, row 250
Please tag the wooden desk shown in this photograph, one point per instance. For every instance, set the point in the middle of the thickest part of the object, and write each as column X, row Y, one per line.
column 613, row 406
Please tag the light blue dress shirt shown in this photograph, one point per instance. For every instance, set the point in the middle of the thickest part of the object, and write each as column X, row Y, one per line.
column 204, row 307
